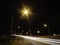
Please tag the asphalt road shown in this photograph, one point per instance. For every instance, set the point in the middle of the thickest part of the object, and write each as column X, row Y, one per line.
column 19, row 41
column 39, row 40
column 28, row 40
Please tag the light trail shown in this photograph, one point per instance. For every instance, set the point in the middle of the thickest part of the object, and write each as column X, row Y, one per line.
column 42, row 40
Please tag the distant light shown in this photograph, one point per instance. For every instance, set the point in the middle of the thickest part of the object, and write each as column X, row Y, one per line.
column 26, row 32
column 38, row 31
column 45, row 25
column 54, row 34
column 18, row 27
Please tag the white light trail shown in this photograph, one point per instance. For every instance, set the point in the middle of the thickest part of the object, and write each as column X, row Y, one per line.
column 42, row 40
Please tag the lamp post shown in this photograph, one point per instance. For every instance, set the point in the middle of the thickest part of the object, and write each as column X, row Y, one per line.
column 26, row 12
column 46, row 26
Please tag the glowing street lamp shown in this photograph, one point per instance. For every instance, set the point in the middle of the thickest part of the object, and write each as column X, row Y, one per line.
column 25, row 11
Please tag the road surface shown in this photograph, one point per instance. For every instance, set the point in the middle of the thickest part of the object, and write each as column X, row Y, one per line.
column 28, row 40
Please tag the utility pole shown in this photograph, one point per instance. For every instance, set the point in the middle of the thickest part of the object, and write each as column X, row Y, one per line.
column 11, row 25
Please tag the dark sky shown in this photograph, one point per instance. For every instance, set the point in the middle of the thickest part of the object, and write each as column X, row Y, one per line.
column 44, row 12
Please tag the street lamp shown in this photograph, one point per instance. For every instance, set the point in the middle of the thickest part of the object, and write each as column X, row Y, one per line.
column 25, row 11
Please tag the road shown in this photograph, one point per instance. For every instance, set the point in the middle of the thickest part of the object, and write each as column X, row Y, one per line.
column 29, row 40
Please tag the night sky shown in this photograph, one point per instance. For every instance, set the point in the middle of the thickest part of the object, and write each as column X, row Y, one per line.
column 44, row 12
